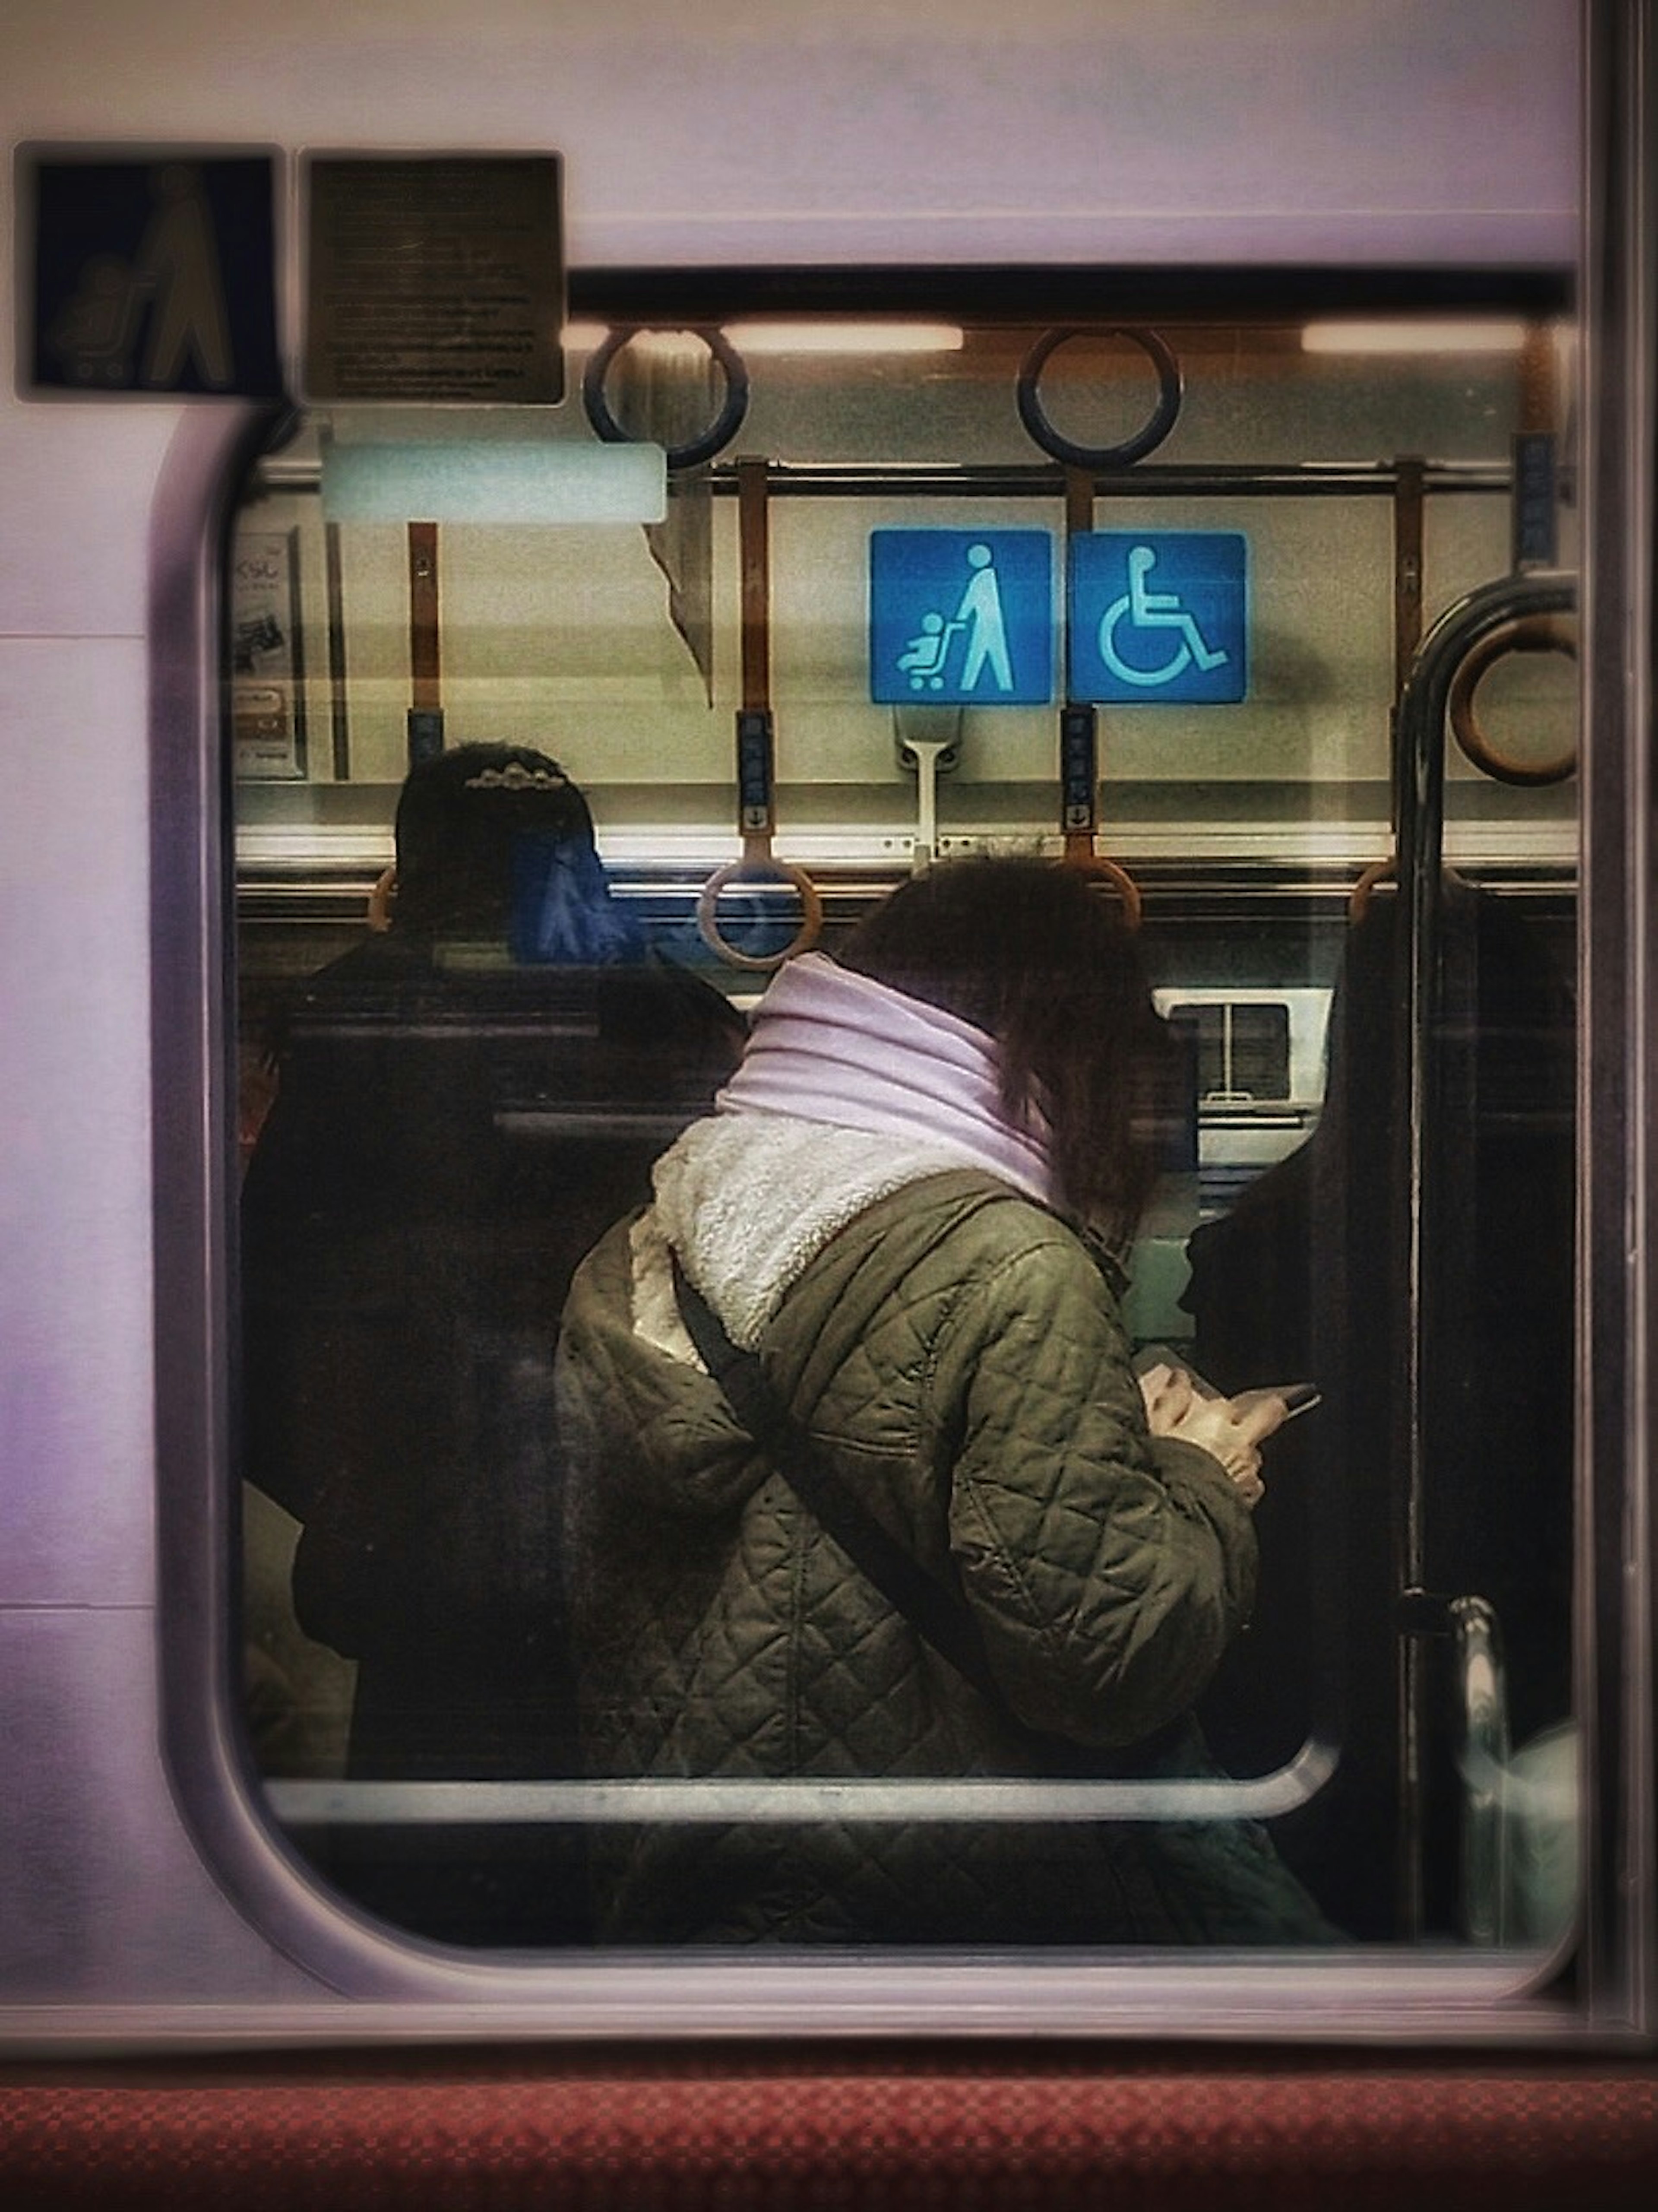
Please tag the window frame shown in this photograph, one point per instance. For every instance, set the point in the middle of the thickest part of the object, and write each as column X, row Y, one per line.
column 400, row 1986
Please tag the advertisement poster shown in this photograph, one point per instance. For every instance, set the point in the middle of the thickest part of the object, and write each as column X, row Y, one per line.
column 267, row 691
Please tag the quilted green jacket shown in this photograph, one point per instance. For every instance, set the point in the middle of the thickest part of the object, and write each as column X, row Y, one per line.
column 960, row 1352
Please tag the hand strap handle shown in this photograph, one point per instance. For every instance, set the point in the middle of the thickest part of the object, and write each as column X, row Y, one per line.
column 757, row 811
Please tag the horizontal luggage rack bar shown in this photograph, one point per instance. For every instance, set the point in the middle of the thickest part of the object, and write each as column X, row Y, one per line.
column 674, row 1800
column 1046, row 479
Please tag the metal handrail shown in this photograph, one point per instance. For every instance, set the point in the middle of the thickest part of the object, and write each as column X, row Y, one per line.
column 1045, row 479
column 1419, row 800
column 1420, row 748
column 1483, row 1719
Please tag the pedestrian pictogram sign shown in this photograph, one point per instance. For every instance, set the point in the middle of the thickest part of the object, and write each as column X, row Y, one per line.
column 152, row 272
column 1159, row 616
column 961, row 617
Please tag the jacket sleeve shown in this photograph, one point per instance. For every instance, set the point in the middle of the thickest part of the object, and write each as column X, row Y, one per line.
column 1108, row 1570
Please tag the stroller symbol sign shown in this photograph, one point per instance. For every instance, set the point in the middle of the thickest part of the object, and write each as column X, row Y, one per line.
column 1159, row 616
column 154, row 273
column 961, row 617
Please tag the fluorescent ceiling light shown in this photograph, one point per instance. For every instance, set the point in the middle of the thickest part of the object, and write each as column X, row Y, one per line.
column 518, row 482
column 778, row 338
column 1427, row 337
column 844, row 337
column 587, row 337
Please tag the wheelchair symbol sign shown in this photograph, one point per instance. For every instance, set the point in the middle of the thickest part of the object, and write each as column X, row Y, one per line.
column 1159, row 616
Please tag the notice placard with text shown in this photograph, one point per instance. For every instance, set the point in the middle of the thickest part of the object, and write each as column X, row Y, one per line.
column 435, row 278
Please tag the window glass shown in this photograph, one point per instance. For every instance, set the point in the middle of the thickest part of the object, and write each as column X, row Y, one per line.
column 538, row 1649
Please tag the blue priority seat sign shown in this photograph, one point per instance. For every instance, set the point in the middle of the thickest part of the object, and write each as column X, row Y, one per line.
column 1159, row 617
column 961, row 617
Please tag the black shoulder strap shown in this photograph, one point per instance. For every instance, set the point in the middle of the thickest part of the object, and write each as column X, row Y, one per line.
column 936, row 1612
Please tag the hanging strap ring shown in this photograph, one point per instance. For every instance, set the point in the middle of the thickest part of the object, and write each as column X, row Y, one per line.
column 759, row 868
column 1096, row 866
column 1358, row 899
column 1146, row 439
column 1531, row 634
column 724, row 426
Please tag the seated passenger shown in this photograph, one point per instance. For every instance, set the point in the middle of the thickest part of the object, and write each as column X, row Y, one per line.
column 913, row 1204
column 465, row 1101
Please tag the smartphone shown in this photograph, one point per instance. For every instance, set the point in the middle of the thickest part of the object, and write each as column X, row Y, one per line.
column 1299, row 1398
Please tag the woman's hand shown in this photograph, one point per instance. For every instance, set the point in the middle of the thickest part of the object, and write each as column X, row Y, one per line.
column 1228, row 1428
column 1167, row 1391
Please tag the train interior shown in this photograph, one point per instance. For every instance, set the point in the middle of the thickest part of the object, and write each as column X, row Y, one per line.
column 1372, row 1190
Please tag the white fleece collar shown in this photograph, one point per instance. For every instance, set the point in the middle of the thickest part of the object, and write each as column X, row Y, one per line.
column 847, row 1091
column 747, row 1201
column 831, row 1046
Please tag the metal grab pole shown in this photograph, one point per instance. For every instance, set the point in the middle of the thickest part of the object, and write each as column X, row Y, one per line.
column 1420, row 813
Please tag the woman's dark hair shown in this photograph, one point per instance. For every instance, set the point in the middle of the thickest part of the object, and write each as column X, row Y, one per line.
column 495, row 839
column 1035, row 955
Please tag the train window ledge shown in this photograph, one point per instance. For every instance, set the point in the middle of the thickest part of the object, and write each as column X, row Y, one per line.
column 1566, row 1981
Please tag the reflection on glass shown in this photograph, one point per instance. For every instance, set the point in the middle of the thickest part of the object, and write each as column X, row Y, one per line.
column 1238, row 1686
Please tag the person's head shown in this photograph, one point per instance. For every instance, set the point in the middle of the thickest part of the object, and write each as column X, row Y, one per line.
column 496, row 841
column 1030, row 953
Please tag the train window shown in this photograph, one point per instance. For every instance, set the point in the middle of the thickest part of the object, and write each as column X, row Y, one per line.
column 1242, row 1049
column 1257, row 636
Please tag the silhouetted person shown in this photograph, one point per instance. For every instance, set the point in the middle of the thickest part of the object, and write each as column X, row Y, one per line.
column 466, row 1101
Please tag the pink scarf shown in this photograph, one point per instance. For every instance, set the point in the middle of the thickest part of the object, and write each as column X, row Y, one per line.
column 829, row 1045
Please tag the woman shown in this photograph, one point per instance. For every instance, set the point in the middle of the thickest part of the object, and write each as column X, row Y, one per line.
column 912, row 1203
